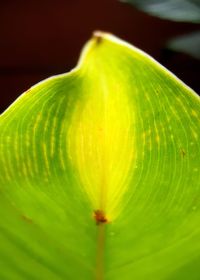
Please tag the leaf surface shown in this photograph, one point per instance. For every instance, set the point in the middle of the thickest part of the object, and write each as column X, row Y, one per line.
column 176, row 10
column 189, row 44
column 100, row 172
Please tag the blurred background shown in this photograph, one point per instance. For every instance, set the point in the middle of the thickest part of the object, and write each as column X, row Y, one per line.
column 42, row 38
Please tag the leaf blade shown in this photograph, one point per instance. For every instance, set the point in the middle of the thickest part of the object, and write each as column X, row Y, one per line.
column 184, row 11
column 152, row 227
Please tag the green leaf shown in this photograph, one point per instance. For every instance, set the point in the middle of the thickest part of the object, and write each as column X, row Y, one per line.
column 188, row 43
column 100, row 172
column 176, row 10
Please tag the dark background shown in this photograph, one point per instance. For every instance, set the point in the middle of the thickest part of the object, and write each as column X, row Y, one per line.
column 43, row 38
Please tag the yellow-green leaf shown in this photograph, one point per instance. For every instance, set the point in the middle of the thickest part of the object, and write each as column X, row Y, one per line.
column 100, row 173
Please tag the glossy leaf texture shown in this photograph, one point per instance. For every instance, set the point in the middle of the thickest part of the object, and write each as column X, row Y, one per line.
column 100, row 172
column 175, row 10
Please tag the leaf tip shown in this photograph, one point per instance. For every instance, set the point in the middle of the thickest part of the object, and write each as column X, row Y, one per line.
column 98, row 36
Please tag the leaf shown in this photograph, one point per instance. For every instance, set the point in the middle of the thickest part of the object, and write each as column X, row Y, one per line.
column 100, row 172
column 189, row 44
column 176, row 10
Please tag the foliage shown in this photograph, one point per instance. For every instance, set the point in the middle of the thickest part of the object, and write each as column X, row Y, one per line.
column 177, row 10
column 100, row 172
column 189, row 44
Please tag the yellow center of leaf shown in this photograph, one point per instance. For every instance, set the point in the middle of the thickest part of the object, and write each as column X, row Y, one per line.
column 101, row 143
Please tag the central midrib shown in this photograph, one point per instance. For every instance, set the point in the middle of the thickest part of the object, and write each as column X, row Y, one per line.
column 99, row 141
column 100, row 251
column 103, row 188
